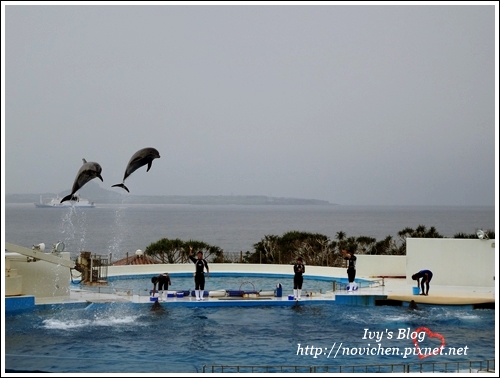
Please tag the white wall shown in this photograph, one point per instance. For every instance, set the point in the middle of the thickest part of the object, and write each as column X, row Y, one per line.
column 40, row 278
column 453, row 262
column 383, row 265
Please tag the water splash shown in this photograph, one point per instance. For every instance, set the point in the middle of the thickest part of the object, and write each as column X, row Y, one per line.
column 81, row 218
column 96, row 321
column 120, row 232
column 67, row 227
column 458, row 315
column 74, row 227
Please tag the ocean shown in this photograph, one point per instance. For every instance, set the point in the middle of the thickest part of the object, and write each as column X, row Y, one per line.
column 118, row 229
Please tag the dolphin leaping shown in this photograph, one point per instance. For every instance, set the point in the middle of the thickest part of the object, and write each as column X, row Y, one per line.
column 87, row 172
column 140, row 158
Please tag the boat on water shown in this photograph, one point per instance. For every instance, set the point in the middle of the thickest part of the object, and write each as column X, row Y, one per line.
column 56, row 203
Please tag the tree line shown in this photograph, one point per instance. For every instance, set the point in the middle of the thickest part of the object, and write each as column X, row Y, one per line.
column 316, row 249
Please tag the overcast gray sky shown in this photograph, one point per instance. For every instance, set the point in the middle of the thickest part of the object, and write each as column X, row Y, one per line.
column 356, row 105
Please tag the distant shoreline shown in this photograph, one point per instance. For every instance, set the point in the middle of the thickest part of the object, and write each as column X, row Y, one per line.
column 109, row 197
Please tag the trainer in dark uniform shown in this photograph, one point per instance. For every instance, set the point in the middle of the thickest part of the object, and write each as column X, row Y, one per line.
column 199, row 276
column 299, row 269
column 426, row 276
column 163, row 280
column 351, row 266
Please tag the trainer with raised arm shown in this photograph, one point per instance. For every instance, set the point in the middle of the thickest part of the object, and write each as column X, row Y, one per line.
column 199, row 276
column 351, row 267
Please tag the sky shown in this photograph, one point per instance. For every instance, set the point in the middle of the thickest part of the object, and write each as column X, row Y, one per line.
column 352, row 104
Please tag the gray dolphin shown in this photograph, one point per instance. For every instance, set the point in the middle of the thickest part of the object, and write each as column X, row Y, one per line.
column 87, row 172
column 140, row 158
column 157, row 307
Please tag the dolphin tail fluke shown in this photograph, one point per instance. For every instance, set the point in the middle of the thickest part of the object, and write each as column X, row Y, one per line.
column 121, row 186
column 69, row 197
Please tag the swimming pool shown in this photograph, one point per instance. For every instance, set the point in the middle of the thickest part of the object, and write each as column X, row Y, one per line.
column 141, row 284
column 130, row 338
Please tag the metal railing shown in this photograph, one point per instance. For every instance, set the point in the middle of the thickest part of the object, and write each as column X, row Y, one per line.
column 423, row 367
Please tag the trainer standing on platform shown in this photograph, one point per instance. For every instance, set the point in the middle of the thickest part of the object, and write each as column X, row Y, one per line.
column 199, row 276
column 299, row 269
column 351, row 267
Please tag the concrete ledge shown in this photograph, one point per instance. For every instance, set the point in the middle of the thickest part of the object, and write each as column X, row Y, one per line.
column 442, row 300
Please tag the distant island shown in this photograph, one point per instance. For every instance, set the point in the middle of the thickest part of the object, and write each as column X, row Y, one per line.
column 93, row 192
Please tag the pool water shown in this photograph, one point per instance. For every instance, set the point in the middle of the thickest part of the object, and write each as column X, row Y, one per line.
column 130, row 338
column 222, row 281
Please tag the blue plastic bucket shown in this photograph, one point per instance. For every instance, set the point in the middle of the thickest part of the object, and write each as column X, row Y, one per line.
column 416, row 290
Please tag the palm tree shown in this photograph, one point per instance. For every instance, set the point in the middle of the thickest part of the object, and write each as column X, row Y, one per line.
column 266, row 251
column 365, row 243
column 175, row 251
column 340, row 236
column 165, row 250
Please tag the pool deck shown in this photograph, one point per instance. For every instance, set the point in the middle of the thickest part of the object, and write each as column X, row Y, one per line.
column 393, row 291
column 396, row 289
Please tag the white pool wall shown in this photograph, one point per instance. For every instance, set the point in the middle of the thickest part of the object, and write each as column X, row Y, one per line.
column 453, row 262
column 39, row 278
